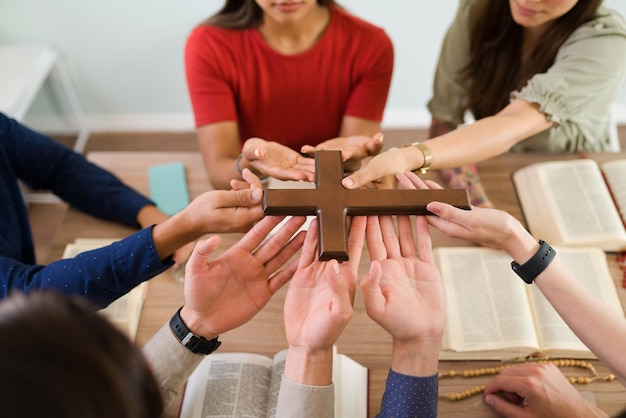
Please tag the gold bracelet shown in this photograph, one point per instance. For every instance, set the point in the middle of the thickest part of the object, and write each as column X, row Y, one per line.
column 428, row 157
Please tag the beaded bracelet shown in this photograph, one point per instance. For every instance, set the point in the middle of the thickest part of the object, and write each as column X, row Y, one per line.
column 428, row 157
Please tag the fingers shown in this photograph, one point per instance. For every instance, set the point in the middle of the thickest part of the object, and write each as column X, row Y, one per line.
column 358, row 179
column 258, row 233
column 405, row 237
column 356, row 238
column 374, row 239
column 278, row 240
column 342, row 292
column 424, row 241
column 309, row 249
column 390, row 239
column 201, row 253
column 374, row 145
column 373, row 297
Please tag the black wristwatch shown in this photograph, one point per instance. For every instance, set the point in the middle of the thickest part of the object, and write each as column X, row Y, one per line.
column 537, row 263
column 194, row 343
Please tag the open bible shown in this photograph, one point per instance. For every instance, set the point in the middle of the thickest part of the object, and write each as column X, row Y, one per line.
column 575, row 202
column 247, row 385
column 493, row 315
column 124, row 312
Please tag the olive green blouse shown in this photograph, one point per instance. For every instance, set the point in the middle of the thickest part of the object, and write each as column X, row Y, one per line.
column 576, row 93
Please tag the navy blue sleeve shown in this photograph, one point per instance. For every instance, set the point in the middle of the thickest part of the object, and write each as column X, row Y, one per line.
column 410, row 396
column 45, row 164
column 101, row 275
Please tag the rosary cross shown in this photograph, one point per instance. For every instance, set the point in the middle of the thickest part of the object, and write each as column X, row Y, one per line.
column 332, row 203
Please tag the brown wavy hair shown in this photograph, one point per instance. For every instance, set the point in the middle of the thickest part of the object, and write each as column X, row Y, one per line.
column 61, row 359
column 495, row 68
column 243, row 14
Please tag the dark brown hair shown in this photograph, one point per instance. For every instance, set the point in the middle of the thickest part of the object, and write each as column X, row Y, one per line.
column 495, row 68
column 243, row 14
column 61, row 359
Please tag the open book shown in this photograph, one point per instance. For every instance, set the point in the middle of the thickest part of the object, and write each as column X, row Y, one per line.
column 492, row 314
column 247, row 385
column 575, row 202
column 125, row 311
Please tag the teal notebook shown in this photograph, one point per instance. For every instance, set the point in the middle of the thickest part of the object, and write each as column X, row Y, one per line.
column 168, row 187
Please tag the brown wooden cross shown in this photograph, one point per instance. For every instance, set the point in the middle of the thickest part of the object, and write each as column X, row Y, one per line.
column 332, row 203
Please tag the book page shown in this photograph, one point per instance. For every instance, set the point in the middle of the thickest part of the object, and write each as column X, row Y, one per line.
column 568, row 203
column 278, row 369
column 615, row 174
column 351, row 381
column 125, row 311
column 487, row 307
column 228, row 385
column 590, row 268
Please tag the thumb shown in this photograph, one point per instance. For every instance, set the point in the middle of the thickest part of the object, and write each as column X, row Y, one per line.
column 202, row 251
column 355, row 180
column 370, row 287
column 244, row 197
column 502, row 406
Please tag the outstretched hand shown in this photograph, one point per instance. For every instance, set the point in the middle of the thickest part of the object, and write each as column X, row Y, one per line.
column 227, row 292
column 353, row 148
column 278, row 161
column 319, row 300
column 489, row 227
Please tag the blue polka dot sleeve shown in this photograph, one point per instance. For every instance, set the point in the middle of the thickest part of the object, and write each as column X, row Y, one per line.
column 409, row 396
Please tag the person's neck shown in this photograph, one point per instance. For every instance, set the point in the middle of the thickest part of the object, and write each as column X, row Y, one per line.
column 296, row 37
column 532, row 37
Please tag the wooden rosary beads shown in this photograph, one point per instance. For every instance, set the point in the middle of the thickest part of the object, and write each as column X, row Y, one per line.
column 490, row 371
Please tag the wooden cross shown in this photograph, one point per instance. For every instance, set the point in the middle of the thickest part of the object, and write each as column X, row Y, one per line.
column 332, row 203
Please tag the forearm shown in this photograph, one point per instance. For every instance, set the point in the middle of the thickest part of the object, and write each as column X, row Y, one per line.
column 171, row 363
column 150, row 215
column 483, row 139
column 415, row 358
column 590, row 319
column 174, row 233
column 221, row 171
column 307, row 367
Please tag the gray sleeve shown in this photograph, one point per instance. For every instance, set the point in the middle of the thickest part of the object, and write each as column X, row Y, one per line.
column 171, row 363
column 305, row 401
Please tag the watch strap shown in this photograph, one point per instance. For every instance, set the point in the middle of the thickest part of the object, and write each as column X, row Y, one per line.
column 537, row 263
column 194, row 343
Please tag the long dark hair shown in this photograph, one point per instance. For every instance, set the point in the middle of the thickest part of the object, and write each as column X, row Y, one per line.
column 61, row 359
column 243, row 14
column 495, row 67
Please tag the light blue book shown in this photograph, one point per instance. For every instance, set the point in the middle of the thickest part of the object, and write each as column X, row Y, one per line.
column 168, row 187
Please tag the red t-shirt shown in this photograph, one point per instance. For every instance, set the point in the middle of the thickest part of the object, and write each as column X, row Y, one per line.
column 292, row 99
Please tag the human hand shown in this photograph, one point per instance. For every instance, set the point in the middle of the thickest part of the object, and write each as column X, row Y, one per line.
column 278, row 161
column 379, row 168
column 353, row 148
column 320, row 296
column 537, row 390
column 490, row 227
column 318, row 306
column 227, row 292
column 403, row 292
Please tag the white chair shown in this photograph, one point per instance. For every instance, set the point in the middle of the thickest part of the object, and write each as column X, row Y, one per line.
column 23, row 71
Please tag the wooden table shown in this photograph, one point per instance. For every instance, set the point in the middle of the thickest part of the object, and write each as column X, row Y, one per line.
column 363, row 340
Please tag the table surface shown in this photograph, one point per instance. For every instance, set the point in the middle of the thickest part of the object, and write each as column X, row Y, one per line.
column 362, row 340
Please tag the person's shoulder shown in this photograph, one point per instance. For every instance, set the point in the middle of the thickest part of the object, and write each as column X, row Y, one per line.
column 346, row 21
column 209, row 34
column 606, row 22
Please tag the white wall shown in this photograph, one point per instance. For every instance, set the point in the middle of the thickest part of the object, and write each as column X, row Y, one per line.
column 125, row 57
